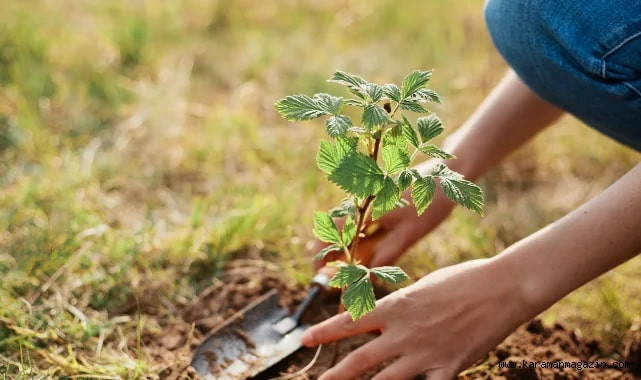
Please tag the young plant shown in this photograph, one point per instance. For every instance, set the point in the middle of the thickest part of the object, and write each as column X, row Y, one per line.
column 351, row 161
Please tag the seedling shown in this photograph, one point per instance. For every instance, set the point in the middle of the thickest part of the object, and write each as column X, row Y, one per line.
column 351, row 161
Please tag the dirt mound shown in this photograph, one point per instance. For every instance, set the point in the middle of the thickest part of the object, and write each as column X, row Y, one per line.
column 536, row 351
column 172, row 343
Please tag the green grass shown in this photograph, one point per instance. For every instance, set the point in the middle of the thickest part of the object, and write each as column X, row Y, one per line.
column 139, row 150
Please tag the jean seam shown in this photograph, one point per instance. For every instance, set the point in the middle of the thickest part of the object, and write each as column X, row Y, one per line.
column 613, row 50
column 632, row 88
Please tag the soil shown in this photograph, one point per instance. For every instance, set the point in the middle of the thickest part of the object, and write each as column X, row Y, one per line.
column 172, row 345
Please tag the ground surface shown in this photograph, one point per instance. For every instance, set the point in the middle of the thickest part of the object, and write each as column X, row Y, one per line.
column 533, row 342
column 142, row 162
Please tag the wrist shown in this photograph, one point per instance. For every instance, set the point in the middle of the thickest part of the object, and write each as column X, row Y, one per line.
column 519, row 285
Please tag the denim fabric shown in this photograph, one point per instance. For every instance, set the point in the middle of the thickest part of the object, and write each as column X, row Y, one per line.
column 583, row 56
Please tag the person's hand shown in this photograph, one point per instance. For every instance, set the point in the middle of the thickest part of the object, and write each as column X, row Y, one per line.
column 439, row 326
column 392, row 234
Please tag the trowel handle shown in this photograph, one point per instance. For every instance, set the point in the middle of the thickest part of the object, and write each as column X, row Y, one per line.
column 319, row 282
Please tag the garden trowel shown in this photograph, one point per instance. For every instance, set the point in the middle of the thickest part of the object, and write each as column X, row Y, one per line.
column 262, row 334
column 255, row 338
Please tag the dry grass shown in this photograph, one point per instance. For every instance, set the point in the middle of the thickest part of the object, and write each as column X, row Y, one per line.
column 139, row 151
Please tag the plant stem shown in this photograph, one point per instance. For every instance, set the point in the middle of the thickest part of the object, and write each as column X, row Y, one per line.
column 362, row 211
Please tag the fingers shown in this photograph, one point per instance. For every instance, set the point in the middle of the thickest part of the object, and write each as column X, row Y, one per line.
column 440, row 374
column 341, row 326
column 362, row 360
column 407, row 367
column 404, row 368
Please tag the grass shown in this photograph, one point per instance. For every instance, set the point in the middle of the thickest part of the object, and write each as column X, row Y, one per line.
column 139, row 150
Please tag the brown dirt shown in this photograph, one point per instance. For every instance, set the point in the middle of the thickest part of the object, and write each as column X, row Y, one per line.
column 171, row 345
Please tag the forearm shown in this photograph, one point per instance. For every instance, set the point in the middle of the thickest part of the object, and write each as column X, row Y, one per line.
column 596, row 237
column 510, row 116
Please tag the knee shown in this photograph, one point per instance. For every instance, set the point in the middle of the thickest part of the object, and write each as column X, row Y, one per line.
column 502, row 19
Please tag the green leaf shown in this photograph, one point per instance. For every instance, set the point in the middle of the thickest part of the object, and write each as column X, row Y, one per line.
column 331, row 104
column 392, row 275
column 325, row 229
column 374, row 91
column 346, row 208
column 347, row 275
column 374, row 115
column 349, row 230
column 409, row 132
column 354, row 83
column 325, row 251
column 354, row 102
column 394, row 159
column 460, row 190
column 358, row 174
column 300, row 107
column 413, row 106
column 425, row 95
column 359, row 298
column 395, row 138
column 422, row 193
column 434, row 151
column 331, row 154
column 429, row 127
column 393, row 92
column 414, row 81
column 385, row 200
column 338, row 125
column 405, row 179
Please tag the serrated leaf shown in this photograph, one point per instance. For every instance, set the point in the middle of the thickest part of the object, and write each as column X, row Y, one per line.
column 354, row 83
column 358, row 174
column 392, row 275
column 359, row 298
column 409, row 132
column 374, row 115
column 386, row 199
column 423, row 190
column 460, row 190
column 347, row 275
column 325, row 229
column 414, row 81
column 374, row 91
column 331, row 104
column 325, row 251
column 396, row 138
column 331, row 154
column 357, row 130
column 392, row 91
column 426, row 95
column 300, row 107
column 346, row 208
column 338, row 125
column 434, row 151
column 349, row 230
column 429, row 127
column 354, row 102
column 394, row 159
column 405, row 179
column 413, row 106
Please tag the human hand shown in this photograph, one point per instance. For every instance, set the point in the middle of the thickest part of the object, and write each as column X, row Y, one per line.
column 387, row 238
column 440, row 325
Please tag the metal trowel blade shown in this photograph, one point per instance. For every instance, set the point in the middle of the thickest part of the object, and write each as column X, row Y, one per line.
column 247, row 343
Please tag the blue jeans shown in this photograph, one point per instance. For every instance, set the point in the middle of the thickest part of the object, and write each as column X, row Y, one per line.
column 583, row 56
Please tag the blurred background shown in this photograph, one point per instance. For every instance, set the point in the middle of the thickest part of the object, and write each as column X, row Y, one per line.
column 140, row 151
